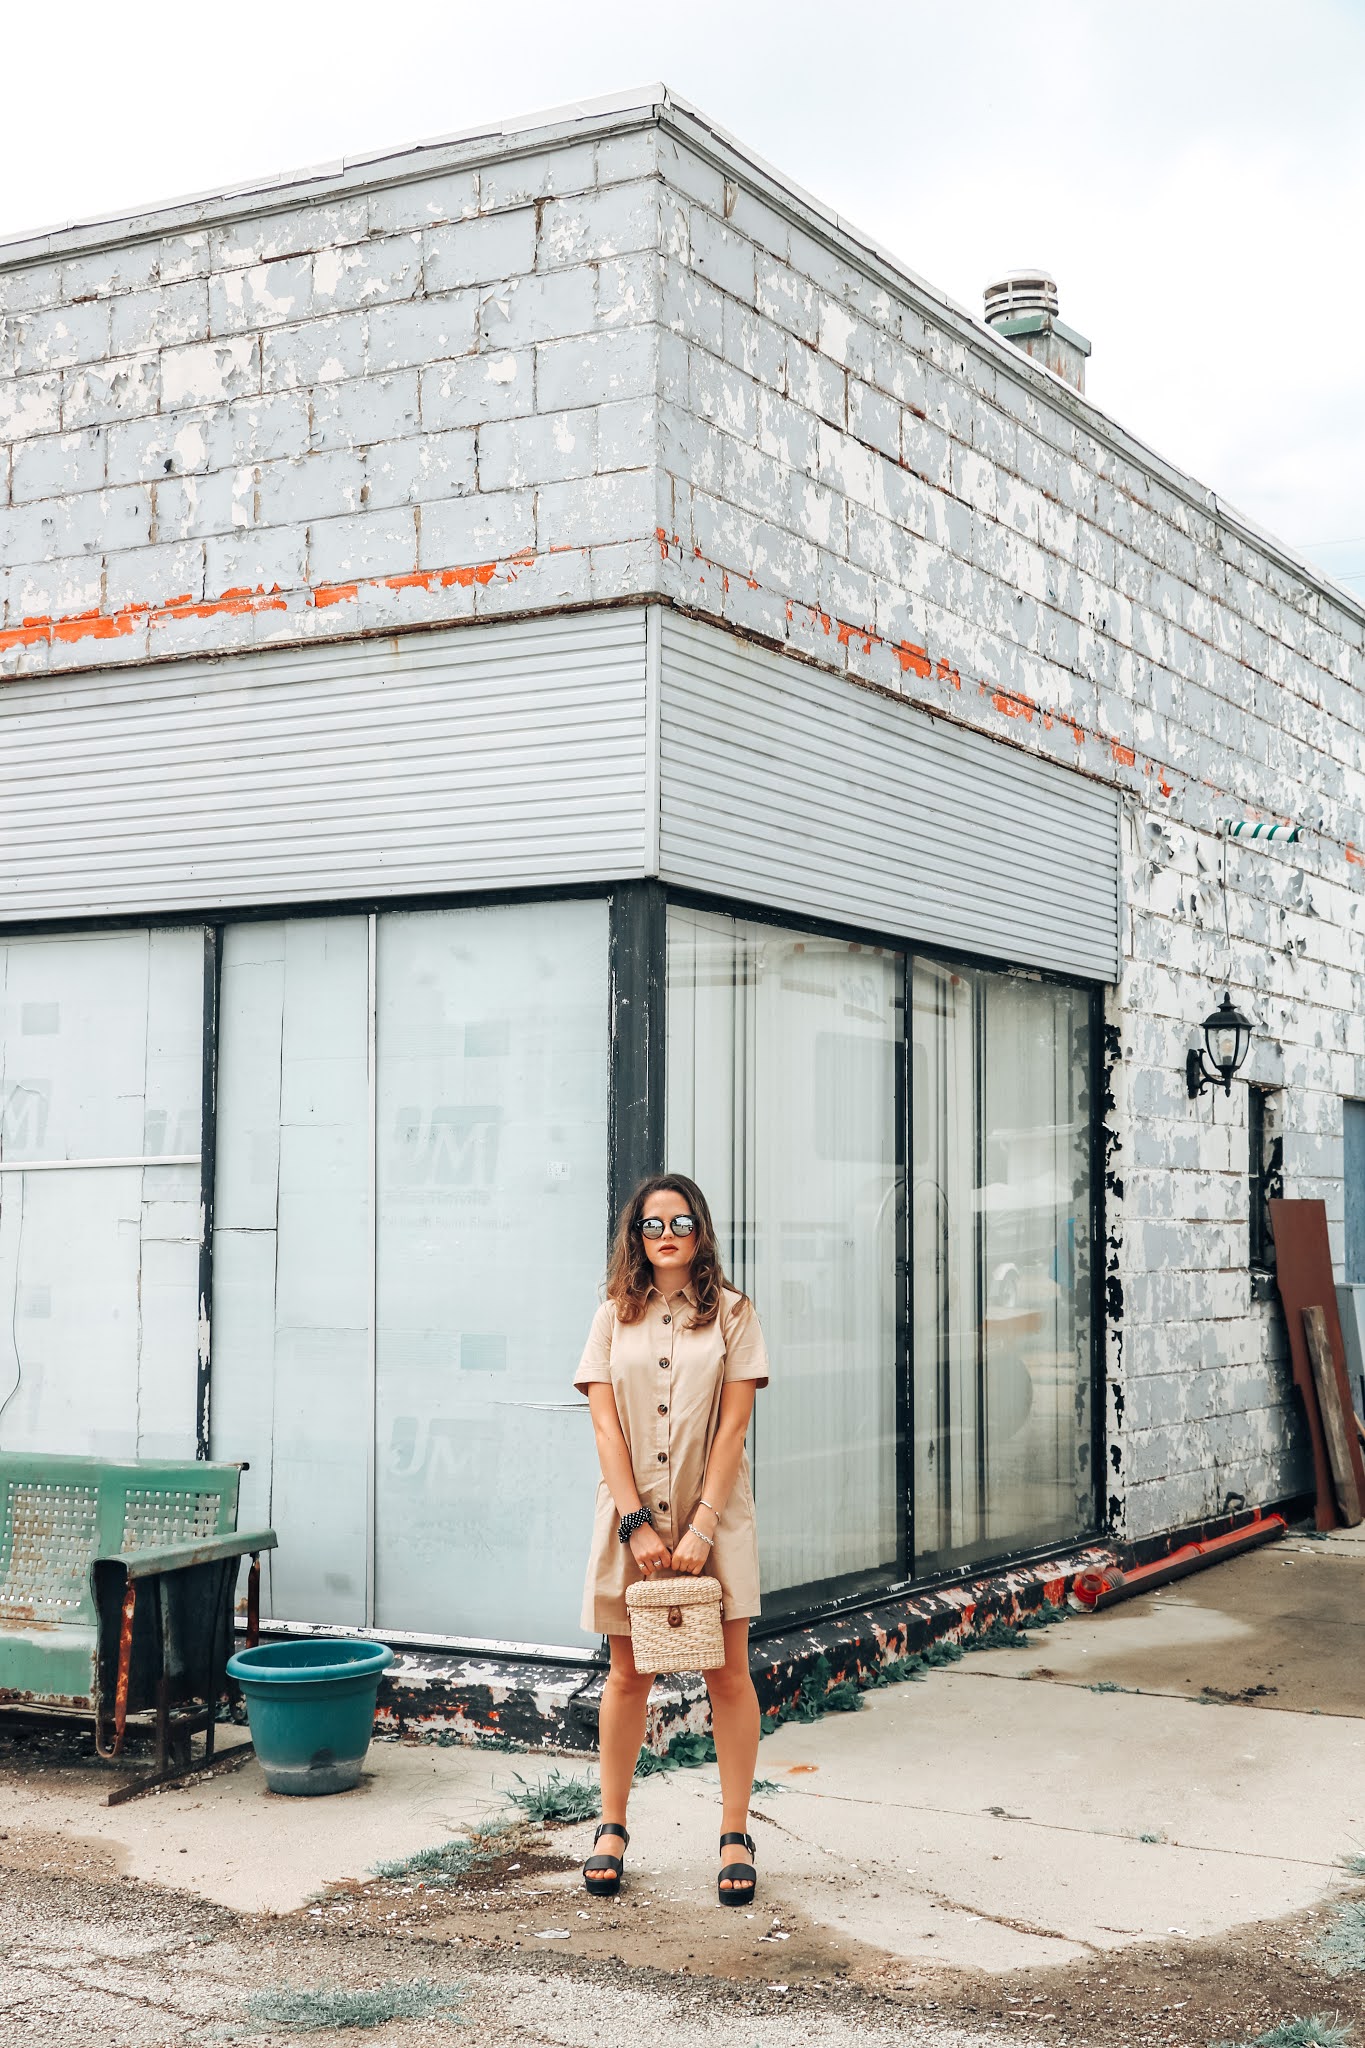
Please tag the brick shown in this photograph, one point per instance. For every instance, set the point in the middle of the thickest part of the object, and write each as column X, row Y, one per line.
column 84, row 524
column 362, row 411
column 544, row 448
column 420, row 469
column 486, row 527
column 117, row 390
column 293, row 231
column 30, row 405
column 316, row 486
column 597, row 510
column 754, row 346
column 519, row 181
column 532, row 309
column 374, row 273
column 103, row 272
column 424, row 202
column 486, row 250
column 874, row 419
column 260, row 429
column 629, row 290
column 192, row 507
column 317, row 352
column 382, row 543
column 592, row 226
column 205, row 373
column 476, row 388
column 723, row 395
column 62, row 337
column 261, row 295
column 423, row 331
column 255, row 559
column 57, row 465
column 594, row 370
column 154, row 575
column 724, row 258
column 160, row 318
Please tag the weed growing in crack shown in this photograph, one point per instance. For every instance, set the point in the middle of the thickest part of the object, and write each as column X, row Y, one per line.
column 999, row 1635
column 296, row 2011
column 559, row 1798
column 450, row 1861
column 1311, row 2033
column 1355, row 1864
column 1343, row 1949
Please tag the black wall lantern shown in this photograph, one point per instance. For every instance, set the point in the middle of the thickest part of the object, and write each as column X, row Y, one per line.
column 1227, row 1036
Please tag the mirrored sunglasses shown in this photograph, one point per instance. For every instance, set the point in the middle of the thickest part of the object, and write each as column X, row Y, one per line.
column 681, row 1226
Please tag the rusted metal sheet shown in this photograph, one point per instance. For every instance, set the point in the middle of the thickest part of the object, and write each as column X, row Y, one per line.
column 1334, row 1424
column 1303, row 1273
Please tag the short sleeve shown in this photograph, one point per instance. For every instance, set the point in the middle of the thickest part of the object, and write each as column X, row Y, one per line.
column 595, row 1365
column 746, row 1355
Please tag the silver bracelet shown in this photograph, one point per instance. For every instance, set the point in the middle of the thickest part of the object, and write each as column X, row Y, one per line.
column 707, row 1504
column 695, row 1531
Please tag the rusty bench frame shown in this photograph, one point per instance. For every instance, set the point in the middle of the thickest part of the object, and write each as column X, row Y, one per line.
column 151, row 1624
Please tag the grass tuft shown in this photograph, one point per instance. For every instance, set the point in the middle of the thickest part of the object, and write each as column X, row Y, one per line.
column 296, row 2011
column 1316, row 2032
column 947, row 1650
column 1343, row 1950
column 452, row 1860
column 998, row 1635
column 558, row 1799
column 1355, row 1864
column 765, row 1787
column 1044, row 1616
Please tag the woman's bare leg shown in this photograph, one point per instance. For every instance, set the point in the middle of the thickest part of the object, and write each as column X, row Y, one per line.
column 734, row 1724
column 620, row 1732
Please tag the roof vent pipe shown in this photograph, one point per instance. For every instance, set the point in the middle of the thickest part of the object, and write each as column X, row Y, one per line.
column 1023, row 307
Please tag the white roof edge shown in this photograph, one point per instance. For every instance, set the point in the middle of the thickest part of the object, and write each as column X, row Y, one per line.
column 304, row 184
column 579, row 119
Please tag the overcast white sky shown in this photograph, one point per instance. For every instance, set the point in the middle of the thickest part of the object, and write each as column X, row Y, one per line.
column 1192, row 171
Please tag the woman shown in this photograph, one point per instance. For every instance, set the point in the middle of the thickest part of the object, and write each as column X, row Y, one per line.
column 672, row 1364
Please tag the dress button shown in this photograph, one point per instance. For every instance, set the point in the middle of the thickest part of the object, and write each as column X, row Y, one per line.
column 663, row 1407
column 663, row 1457
column 668, row 1319
column 663, row 1507
column 664, row 1363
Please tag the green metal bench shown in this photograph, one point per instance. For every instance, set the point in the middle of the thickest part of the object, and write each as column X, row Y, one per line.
column 117, row 1595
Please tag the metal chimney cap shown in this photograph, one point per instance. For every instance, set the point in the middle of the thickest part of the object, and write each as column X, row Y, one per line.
column 1026, row 290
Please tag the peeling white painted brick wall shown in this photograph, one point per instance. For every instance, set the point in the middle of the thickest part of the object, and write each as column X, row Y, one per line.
column 604, row 369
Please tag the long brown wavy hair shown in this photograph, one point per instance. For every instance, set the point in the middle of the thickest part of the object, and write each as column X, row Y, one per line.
column 629, row 1273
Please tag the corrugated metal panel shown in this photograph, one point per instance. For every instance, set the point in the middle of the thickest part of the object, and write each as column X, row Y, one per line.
column 488, row 756
column 789, row 787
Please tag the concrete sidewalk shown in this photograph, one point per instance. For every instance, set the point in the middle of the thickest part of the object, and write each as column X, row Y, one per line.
column 1169, row 1771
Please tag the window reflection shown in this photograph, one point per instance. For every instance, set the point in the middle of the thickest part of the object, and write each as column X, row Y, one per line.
column 1000, row 1203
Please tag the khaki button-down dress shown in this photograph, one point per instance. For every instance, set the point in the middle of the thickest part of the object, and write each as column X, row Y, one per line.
column 667, row 1377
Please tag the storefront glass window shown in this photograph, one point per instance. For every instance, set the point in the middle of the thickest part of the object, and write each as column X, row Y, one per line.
column 492, row 1201
column 101, row 1078
column 398, row 1367
column 291, row 1300
column 1000, row 1208
column 783, row 1052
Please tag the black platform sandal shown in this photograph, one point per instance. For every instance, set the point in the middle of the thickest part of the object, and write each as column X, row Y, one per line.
column 737, row 1893
column 602, row 1874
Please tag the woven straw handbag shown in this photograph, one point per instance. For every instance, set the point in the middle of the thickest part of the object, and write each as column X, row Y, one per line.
column 675, row 1624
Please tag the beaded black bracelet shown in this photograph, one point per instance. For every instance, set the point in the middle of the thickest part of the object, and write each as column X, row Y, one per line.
column 628, row 1524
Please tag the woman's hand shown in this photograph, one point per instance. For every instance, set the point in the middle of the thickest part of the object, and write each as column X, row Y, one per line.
column 649, row 1550
column 691, row 1555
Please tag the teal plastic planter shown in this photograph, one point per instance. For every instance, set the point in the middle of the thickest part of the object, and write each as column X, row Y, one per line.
column 311, row 1709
